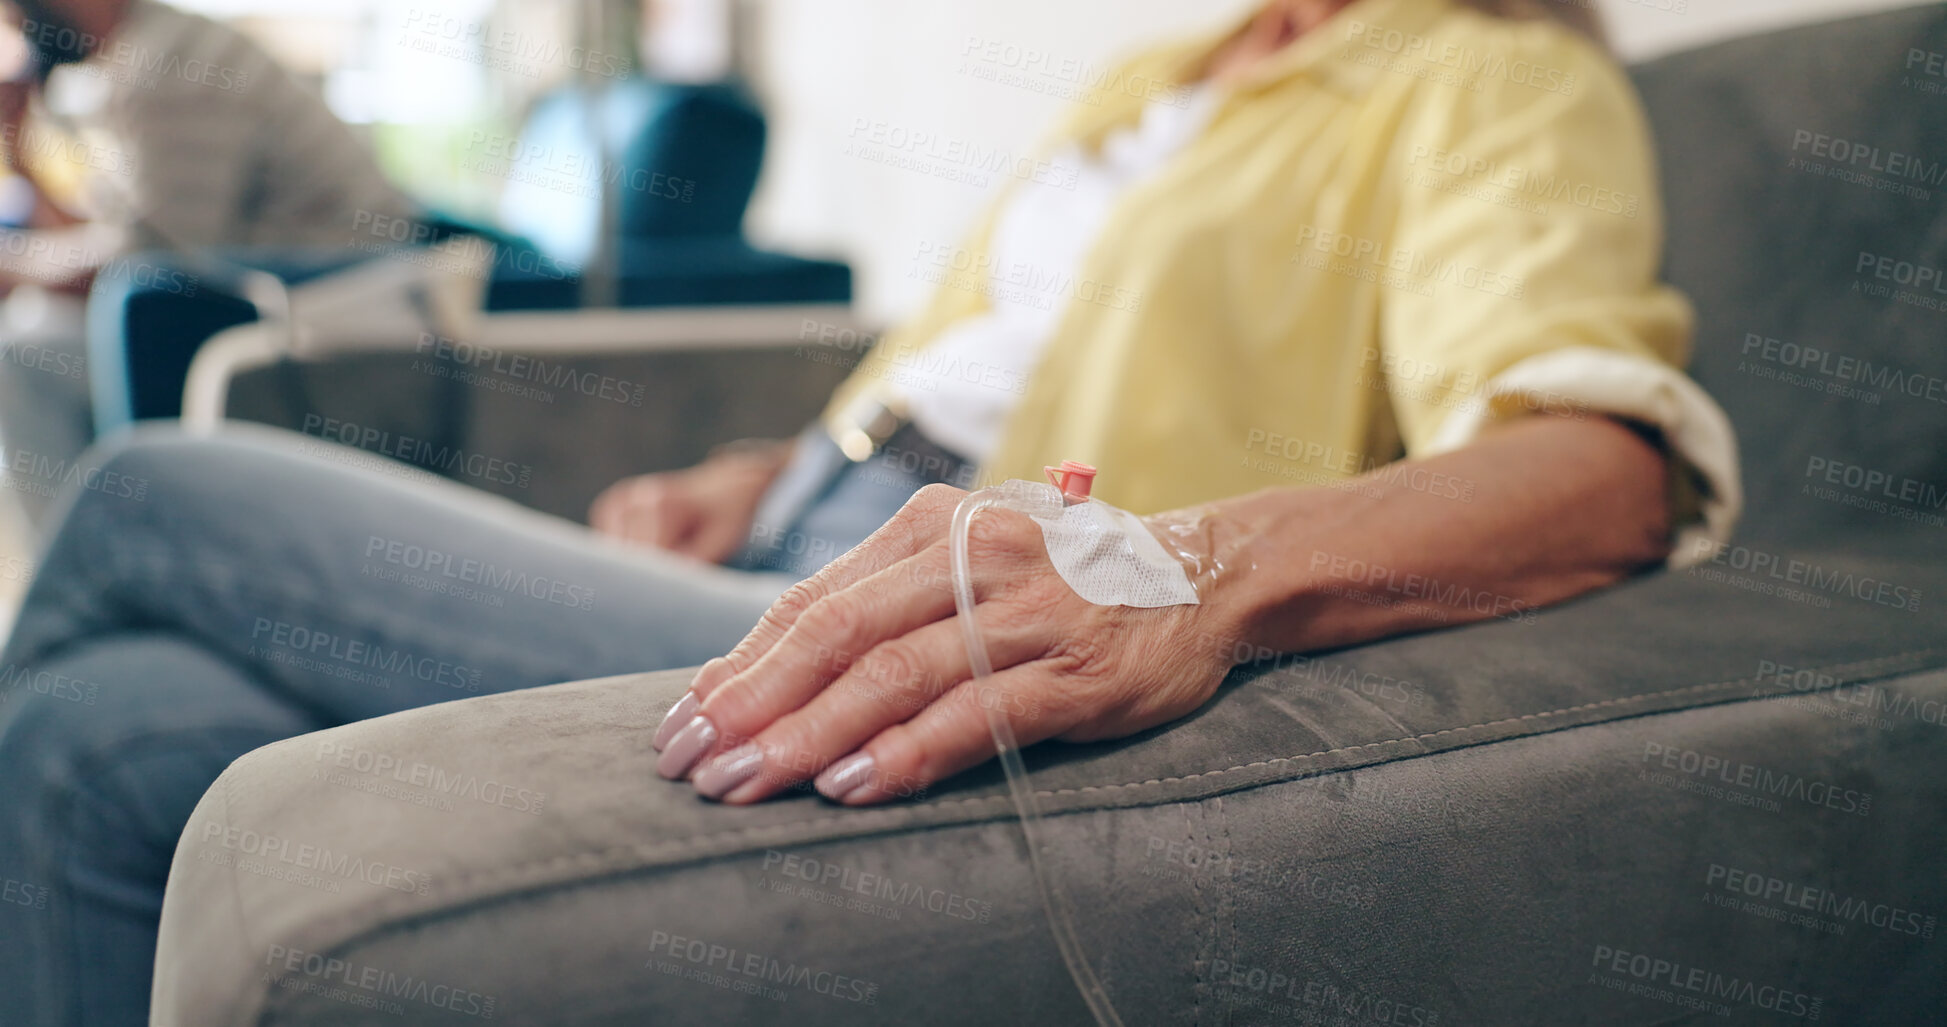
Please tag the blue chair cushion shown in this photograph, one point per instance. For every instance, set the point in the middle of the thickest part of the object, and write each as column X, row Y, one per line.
column 149, row 313
column 686, row 160
column 678, row 272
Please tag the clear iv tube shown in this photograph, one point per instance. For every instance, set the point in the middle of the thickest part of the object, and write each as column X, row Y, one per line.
column 1043, row 500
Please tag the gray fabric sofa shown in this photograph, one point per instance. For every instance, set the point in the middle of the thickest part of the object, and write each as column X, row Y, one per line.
column 1710, row 795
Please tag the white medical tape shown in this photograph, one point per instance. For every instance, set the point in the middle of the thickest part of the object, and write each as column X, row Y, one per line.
column 1110, row 559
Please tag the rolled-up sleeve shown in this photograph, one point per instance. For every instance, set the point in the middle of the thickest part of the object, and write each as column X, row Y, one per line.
column 1526, row 258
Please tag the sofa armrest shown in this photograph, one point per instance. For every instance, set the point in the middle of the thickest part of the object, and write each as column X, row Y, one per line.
column 1455, row 827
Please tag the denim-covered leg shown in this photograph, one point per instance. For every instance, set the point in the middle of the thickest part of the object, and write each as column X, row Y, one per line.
column 356, row 586
column 104, row 752
column 279, row 586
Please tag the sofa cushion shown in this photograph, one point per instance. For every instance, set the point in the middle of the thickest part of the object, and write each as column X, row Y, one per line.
column 1805, row 176
column 363, row 848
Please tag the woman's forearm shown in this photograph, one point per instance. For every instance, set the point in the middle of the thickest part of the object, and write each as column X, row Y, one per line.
column 1534, row 512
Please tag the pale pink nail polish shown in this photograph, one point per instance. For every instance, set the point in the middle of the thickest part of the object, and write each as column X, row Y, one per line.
column 689, row 743
column 678, row 716
column 846, row 776
column 716, row 778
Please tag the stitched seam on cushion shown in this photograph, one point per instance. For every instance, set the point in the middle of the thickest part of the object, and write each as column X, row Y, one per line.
column 1192, row 815
column 1223, row 927
column 702, row 841
column 1620, row 701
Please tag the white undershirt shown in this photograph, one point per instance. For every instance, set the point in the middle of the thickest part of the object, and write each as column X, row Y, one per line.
column 962, row 387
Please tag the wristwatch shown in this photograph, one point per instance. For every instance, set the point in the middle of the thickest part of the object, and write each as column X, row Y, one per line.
column 861, row 427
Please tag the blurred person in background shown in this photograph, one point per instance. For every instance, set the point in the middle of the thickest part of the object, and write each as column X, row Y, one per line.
column 132, row 126
column 1525, row 436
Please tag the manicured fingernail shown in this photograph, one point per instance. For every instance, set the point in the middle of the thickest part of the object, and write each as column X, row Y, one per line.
column 688, row 744
column 675, row 719
column 716, row 778
column 845, row 777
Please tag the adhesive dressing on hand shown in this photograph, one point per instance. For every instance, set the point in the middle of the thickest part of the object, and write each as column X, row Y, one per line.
column 1109, row 558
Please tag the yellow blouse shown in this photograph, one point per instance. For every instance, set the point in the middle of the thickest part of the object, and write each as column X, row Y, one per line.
column 1402, row 204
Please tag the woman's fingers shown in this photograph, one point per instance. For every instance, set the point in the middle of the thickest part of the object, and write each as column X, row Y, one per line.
column 830, row 634
column 893, row 681
column 821, row 641
column 920, row 523
column 896, row 681
column 951, row 735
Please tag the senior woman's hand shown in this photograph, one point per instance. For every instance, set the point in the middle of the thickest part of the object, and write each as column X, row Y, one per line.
column 859, row 678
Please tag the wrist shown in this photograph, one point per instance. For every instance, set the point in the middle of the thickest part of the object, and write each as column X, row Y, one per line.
column 1252, row 583
column 768, row 454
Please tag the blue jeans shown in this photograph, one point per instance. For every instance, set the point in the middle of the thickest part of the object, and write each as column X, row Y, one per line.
column 203, row 597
